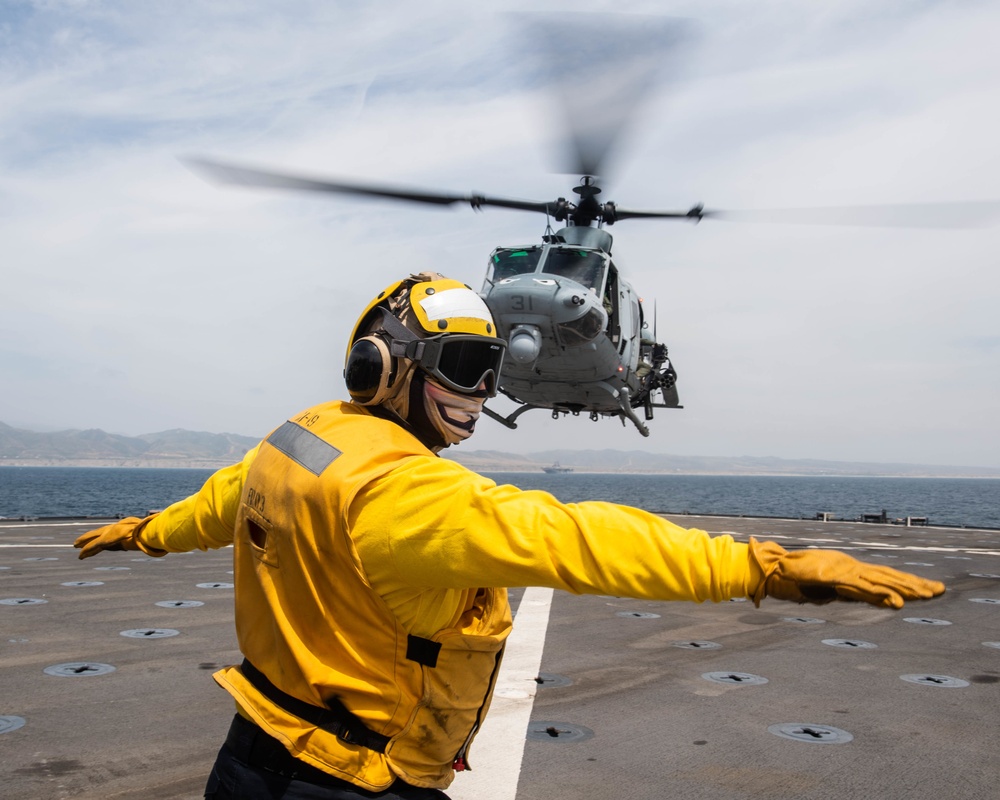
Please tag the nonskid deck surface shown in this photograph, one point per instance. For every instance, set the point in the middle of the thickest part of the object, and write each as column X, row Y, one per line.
column 630, row 698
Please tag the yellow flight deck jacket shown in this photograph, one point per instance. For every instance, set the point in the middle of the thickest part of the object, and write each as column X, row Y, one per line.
column 370, row 570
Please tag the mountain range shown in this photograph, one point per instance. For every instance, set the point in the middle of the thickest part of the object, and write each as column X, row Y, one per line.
column 93, row 447
column 196, row 449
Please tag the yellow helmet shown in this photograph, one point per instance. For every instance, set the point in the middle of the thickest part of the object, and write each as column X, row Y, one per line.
column 428, row 322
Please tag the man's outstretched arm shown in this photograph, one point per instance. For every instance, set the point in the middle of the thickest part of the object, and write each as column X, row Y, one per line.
column 204, row 520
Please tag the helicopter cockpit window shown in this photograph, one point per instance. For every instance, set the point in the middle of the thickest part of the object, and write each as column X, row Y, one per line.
column 582, row 266
column 585, row 329
column 510, row 262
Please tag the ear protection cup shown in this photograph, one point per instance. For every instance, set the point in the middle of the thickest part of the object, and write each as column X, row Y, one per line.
column 370, row 371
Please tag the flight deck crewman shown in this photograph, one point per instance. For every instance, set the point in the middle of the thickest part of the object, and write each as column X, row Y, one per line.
column 368, row 570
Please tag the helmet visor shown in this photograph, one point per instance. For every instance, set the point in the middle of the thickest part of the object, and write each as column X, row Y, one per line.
column 464, row 362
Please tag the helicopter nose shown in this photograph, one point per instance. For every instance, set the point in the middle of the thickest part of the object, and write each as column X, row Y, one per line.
column 525, row 344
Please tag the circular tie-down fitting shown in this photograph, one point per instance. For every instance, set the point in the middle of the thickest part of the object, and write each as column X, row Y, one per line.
column 550, row 680
column 82, row 583
column 216, row 585
column 804, row 620
column 811, row 733
column 78, row 669
column 561, row 732
column 849, row 644
column 149, row 633
column 638, row 614
column 735, row 678
column 22, row 601
column 943, row 681
column 9, row 722
column 988, row 600
column 697, row 645
column 926, row 621
column 180, row 603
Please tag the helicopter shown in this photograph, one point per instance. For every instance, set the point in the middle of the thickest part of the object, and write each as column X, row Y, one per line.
column 578, row 338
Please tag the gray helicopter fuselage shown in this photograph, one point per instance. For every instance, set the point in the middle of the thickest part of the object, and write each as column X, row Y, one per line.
column 573, row 325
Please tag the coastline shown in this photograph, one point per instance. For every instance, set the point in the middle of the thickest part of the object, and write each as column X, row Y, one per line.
column 130, row 463
column 483, row 467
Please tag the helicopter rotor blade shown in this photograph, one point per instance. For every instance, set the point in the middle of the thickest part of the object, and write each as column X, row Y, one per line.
column 961, row 215
column 603, row 69
column 964, row 215
column 555, row 209
column 693, row 214
column 237, row 175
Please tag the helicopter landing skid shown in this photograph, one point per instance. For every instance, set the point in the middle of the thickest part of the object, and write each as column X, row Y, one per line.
column 508, row 421
column 623, row 401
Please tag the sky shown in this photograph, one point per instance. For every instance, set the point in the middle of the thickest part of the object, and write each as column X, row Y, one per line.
column 137, row 297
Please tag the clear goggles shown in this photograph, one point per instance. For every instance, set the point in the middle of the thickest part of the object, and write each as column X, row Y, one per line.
column 462, row 362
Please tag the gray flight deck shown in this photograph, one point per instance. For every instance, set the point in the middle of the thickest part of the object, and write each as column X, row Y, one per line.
column 634, row 699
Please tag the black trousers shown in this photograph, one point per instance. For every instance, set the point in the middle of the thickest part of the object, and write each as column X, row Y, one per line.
column 253, row 766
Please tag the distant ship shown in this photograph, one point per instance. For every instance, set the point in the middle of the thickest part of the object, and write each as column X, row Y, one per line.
column 555, row 469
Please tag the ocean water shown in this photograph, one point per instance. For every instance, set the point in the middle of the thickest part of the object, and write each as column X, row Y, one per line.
column 944, row 501
column 93, row 491
column 74, row 492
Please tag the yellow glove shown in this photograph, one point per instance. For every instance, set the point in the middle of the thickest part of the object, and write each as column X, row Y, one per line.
column 121, row 535
column 821, row 576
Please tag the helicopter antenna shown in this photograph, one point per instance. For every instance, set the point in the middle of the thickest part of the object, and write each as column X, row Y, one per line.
column 549, row 234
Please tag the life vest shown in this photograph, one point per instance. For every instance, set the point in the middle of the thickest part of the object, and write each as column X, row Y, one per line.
column 309, row 621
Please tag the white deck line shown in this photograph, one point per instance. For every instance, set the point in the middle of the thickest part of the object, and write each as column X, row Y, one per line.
column 93, row 524
column 37, row 545
column 497, row 752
